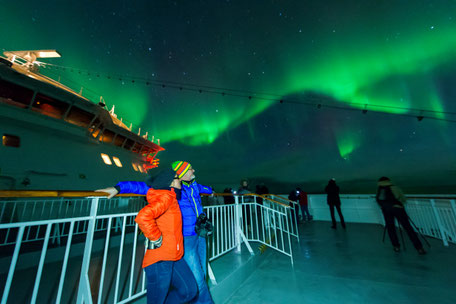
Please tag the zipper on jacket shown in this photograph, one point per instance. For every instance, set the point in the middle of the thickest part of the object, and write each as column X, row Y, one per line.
column 196, row 208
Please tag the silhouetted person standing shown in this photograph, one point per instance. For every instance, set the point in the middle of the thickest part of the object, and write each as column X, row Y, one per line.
column 333, row 200
column 261, row 189
column 293, row 197
column 392, row 200
column 246, row 208
column 228, row 199
column 304, row 203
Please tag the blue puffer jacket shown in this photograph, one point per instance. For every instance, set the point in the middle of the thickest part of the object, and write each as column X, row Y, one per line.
column 190, row 205
column 190, row 202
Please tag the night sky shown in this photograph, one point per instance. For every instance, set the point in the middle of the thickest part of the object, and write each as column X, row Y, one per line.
column 326, row 60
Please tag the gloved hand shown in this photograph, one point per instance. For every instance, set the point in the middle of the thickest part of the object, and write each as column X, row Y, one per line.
column 111, row 191
column 153, row 244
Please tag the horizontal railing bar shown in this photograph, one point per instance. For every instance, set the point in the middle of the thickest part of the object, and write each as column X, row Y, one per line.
column 133, row 297
column 45, row 222
column 100, row 217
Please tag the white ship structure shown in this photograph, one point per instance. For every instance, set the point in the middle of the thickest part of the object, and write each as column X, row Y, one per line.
column 54, row 138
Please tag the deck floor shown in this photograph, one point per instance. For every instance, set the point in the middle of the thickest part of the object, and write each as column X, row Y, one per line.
column 352, row 266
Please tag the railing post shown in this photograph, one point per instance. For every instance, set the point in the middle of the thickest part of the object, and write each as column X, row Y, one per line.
column 237, row 215
column 289, row 242
column 453, row 207
column 439, row 222
column 12, row 268
column 84, row 294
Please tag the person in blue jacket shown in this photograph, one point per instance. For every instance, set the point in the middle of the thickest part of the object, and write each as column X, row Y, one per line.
column 191, row 208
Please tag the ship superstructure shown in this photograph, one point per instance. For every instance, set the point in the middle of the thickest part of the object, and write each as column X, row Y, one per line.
column 54, row 138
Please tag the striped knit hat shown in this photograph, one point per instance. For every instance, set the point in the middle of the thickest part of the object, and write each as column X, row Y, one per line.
column 181, row 167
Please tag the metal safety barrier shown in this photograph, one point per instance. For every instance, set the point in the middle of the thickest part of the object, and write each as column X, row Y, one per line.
column 100, row 249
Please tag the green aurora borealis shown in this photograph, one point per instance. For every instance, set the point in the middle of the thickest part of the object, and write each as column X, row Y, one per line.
column 394, row 58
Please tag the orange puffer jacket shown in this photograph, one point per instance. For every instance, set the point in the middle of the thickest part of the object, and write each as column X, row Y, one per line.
column 162, row 217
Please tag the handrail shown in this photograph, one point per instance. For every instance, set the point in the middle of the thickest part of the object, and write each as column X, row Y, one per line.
column 284, row 198
column 247, row 194
column 71, row 193
column 430, row 197
column 56, row 193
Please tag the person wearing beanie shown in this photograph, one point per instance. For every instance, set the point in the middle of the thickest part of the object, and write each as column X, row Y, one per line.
column 391, row 200
column 181, row 167
column 161, row 222
column 191, row 208
column 194, row 244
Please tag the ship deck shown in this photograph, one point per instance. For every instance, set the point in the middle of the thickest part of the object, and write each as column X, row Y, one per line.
column 352, row 266
column 330, row 266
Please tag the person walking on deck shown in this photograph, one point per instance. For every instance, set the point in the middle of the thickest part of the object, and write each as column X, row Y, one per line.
column 333, row 199
column 391, row 200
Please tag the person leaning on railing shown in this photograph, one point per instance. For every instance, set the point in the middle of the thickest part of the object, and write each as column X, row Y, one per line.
column 192, row 210
column 161, row 223
column 391, row 200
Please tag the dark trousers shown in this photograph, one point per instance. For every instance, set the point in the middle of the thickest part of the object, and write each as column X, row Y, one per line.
column 296, row 207
column 305, row 213
column 331, row 209
column 165, row 274
column 395, row 212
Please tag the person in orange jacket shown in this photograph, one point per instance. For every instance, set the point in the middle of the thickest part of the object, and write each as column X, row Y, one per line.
column 161, row 223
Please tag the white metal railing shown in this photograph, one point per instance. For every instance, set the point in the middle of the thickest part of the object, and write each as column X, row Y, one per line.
column 102, row 225
column 115, row 274
column 435, row 217
column 110, row 270
column 41, row 209
column 254, row 218
column 293, row 212
column 19, row 229
column 126, row 255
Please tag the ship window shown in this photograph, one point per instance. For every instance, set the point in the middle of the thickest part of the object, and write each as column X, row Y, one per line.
column 106, row 159
column 128, row 144
column 79, row 117
column 135, row 167
column 107, row 136
column 119, row 140
column 49, row 106
column 15, row 94
column 11, row 140
column 117, row 161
